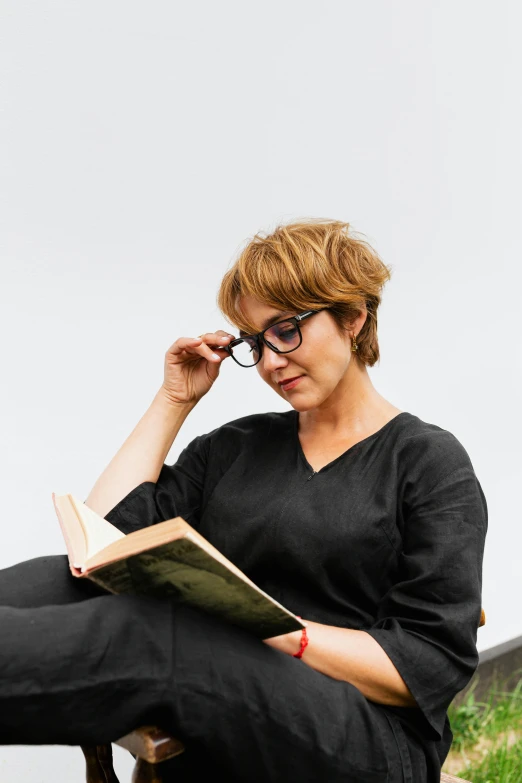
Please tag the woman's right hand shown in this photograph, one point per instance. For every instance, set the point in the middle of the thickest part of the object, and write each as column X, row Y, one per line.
column 190, row 366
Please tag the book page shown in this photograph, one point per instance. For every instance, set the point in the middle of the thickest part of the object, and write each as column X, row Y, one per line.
column 148, row 538
column 72, row 529
column 182, row 570
column 171, row 559
column 98, row 532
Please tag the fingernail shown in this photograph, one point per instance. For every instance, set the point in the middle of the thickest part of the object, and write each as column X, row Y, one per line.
column 215, row 356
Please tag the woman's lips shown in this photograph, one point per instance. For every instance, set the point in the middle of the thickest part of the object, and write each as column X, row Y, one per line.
column 291, row 384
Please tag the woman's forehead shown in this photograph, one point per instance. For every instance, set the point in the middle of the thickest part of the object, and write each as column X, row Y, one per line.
column 269, row 321
column 259, row 314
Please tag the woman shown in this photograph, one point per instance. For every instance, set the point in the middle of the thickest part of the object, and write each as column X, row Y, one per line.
column 364, row 520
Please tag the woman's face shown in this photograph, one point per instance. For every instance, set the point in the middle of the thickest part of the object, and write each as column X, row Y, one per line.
column 323, row 357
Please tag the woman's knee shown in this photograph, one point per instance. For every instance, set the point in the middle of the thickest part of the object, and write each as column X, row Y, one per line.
column 43, row 581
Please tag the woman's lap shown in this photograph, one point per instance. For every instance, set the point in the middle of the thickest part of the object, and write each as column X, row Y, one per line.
column 44, row 581
column 281, row 719
column 80, row 667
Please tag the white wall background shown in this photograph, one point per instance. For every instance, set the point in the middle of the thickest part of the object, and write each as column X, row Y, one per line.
column 141, row 144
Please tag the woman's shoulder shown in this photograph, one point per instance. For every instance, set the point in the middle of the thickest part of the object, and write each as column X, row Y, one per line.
column 270, row 424
column 428, row 450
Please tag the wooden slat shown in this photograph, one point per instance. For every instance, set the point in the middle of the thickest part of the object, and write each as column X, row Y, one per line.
column 452, row 779
column 152, row 744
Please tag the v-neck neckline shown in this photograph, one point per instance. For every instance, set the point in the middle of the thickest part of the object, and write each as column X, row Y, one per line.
column 295, row 432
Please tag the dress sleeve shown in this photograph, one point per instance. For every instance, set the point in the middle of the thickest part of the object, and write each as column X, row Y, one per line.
column 177, row 492
column 427, row 621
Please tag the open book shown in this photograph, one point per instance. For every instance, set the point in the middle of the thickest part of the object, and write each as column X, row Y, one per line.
column 169, row 559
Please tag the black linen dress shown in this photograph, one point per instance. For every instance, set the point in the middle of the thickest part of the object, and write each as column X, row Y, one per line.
column 388, row 539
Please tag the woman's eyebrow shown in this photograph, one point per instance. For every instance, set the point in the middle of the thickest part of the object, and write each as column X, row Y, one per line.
column 269, row 321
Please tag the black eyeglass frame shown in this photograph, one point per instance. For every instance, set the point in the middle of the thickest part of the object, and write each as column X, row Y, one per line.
column 260, row 336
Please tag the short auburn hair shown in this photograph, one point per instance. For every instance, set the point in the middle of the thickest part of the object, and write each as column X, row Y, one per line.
column 305, row 265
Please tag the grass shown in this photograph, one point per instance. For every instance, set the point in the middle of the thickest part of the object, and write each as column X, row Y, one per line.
column 487, row 736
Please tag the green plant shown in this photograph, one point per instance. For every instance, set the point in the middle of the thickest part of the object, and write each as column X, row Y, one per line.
column 500, row 765
column 487, row 735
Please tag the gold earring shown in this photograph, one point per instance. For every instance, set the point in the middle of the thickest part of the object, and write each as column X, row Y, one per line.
column 354, row 343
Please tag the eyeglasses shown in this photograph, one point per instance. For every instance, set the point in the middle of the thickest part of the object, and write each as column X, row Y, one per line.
column 282, row 337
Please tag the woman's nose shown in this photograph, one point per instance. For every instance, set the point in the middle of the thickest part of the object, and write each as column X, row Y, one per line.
column 271, row 360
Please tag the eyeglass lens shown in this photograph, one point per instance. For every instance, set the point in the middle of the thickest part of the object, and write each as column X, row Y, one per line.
column 283, row 336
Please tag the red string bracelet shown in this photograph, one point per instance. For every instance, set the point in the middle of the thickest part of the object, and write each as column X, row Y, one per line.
column 304, row 641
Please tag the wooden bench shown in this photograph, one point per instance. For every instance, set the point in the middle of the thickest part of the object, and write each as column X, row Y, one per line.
column 150, row 746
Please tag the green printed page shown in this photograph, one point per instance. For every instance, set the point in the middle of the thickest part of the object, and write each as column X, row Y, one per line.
column 182, row 570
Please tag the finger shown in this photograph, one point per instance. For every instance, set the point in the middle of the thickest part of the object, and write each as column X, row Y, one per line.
column 207, row 351
column 184, row 344
column 220, row 334
column 217, row 339
column 203, row 344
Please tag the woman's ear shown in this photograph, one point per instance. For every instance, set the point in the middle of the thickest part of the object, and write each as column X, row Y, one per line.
column 354, row 325
column 361, row 319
